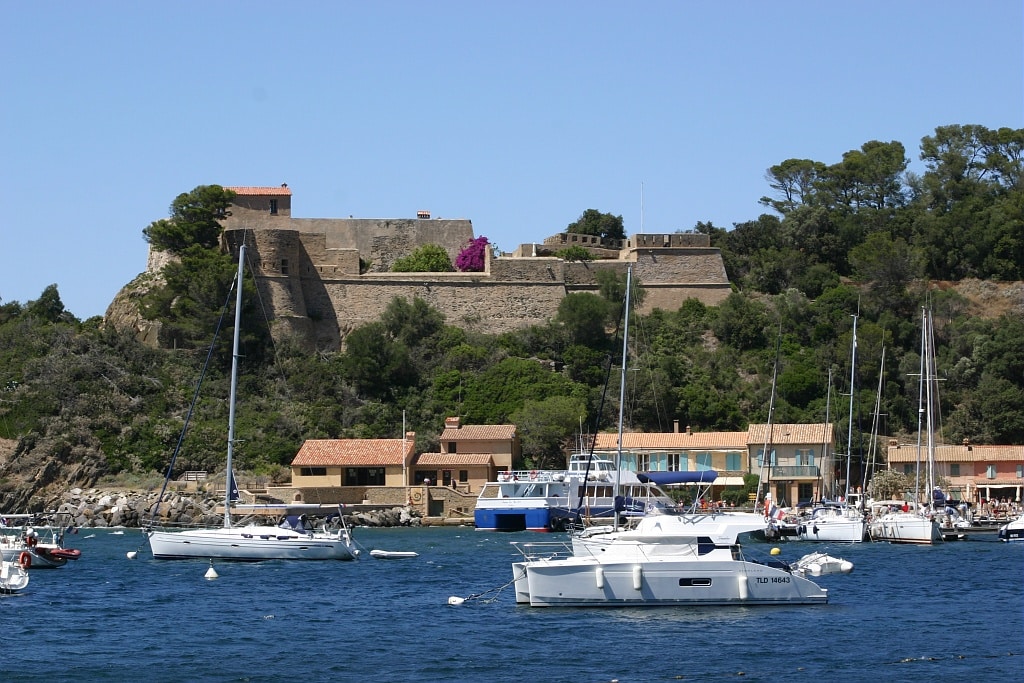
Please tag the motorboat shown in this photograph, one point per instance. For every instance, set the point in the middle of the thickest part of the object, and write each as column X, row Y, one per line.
column 554, row 500
column 665, row 560
column 252, row 541
column 13, row 577
column 687, row 558
column 31, row 549
column 1012, row 531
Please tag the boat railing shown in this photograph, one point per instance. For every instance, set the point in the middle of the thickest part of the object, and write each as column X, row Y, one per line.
column 552, row 550
column 505, row 476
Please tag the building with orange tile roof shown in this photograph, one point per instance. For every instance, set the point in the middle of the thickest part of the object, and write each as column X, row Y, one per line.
column 974, row 471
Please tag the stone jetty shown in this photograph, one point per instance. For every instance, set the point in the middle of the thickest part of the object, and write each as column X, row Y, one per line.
column 94, row 508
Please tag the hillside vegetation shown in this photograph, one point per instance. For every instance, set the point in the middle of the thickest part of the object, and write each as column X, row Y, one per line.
column 80, row 401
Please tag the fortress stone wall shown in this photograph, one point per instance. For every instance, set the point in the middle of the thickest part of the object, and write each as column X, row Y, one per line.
column 323, row 277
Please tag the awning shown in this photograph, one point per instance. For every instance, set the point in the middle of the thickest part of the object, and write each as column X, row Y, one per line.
column 729, row 481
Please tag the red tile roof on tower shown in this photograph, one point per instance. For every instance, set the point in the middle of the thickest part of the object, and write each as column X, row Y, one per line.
column 320, row 452
column 255, row 191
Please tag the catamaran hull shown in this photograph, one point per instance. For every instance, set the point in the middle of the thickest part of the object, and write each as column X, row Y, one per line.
column 245, row 545
column 585, row 582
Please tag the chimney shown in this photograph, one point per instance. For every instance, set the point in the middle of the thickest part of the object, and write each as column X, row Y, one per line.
column 675, row 426
column 451, row 423
column 688, row 429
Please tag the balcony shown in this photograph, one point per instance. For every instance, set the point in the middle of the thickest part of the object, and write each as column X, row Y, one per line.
column 794, row 472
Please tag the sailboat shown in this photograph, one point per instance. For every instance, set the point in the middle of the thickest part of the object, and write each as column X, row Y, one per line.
column 913, row 525
column 667, row 558
column 249, row 542
column 834, row 521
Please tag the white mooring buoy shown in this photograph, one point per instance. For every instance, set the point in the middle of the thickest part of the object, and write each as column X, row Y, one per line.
column 132, row 554
column 455, row 600
column 211, row 573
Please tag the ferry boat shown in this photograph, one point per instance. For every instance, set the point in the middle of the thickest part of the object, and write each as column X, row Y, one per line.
column 552, row 500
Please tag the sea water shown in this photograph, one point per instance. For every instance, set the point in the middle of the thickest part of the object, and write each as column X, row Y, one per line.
column 949, row 612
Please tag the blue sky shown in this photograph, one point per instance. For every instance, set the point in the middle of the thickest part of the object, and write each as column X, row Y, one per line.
column 515, row 115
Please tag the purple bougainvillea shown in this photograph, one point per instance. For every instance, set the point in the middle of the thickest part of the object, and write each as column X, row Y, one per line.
column 471, row 259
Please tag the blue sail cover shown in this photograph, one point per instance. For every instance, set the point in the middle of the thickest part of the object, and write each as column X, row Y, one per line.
column 668, row 478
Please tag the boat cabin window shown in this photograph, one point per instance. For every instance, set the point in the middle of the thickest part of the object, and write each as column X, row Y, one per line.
column 700, row 582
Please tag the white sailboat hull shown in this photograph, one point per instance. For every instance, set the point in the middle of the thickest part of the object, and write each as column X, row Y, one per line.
column 837, row 528
column 906, row 527
column 249, row 543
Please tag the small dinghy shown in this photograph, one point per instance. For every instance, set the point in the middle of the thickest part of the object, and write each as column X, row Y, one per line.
column 392, row 554
column 820, row 564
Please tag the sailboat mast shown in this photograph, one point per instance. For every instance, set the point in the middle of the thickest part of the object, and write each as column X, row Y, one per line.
column 622, row 386
column 930, row 406
column 920, row 407
column 765, row 472
column 234, row 386
column 849, row 426
column 873, row 446
column 826, row 458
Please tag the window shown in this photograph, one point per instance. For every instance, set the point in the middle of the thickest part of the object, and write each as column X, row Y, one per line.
column 284, row 266
column 364, row 476
column 629, row 461
column 273, row 207
column 1020, row 471
column 804, row 457
column 463, row 476
column 954, row 469
column 805, row 491
column 760, row 458
column 990, row 471
column 452, row 448
column 908, row 468
column 733, row 462
column 657, row 462
column 313, row 471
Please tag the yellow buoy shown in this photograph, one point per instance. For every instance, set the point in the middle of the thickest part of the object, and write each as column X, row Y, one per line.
column 775, row 551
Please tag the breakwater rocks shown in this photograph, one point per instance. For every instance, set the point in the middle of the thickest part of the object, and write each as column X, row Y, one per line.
column 100, row 509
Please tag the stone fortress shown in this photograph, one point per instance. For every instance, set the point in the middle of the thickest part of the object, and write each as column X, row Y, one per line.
column 323, row 277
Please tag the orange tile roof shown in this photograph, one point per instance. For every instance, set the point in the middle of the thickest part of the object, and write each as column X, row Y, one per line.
column 908, row 453
column 479, row 433
column 255, row 191
column 791, row 433
column 320, row 452
column 672, row 440
column 452, row 459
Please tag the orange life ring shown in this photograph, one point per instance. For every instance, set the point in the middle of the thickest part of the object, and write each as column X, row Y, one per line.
column 25, row 560
column 533, row 475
